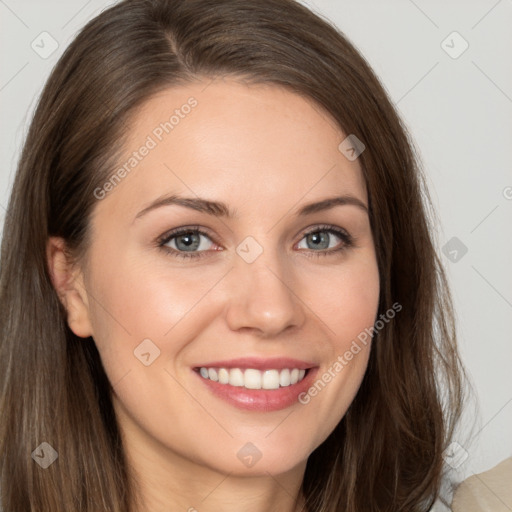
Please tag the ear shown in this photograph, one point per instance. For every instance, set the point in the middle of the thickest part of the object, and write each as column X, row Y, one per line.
column 69, row 285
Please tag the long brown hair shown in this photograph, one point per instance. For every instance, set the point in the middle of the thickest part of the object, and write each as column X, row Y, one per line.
column 386, row 454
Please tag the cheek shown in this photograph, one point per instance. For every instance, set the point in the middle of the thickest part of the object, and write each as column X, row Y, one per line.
column 148, row 300
column 349, row 309
column 348, row 300
column 134, row 302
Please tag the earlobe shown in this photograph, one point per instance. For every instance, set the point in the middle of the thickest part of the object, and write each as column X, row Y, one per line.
column 68, row 283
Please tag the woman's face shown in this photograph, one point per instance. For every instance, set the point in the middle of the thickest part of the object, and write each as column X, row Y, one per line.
column 264, row 289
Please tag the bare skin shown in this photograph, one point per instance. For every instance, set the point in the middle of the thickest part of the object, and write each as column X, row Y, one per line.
column 265, row 152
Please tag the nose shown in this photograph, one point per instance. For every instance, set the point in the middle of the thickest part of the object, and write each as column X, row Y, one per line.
column 261, row 296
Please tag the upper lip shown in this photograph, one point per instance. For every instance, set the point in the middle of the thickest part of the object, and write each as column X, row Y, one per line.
column 278, row 363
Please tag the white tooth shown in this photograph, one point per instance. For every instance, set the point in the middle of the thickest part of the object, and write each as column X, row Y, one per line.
column 223, row 376
column 270, row 379
column 284, row 377
column 236, row 377
column 252, row 379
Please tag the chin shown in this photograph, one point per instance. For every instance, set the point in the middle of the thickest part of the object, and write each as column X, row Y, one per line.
column 259, row 459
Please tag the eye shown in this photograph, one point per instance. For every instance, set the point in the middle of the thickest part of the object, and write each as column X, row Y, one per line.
column 321, row 238
column 186, row 241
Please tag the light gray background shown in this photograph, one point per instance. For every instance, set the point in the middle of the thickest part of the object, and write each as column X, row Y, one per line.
column 459, row 111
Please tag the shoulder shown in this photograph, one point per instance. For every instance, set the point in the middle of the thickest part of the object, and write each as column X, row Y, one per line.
column 490, row 490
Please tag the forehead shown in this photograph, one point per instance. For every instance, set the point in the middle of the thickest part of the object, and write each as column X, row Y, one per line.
column 232, row 141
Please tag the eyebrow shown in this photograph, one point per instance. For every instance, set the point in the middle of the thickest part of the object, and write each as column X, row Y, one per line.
column 219, row 209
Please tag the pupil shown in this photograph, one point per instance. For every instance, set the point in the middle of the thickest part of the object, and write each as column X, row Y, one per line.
column 320, row 237
column 189, row 240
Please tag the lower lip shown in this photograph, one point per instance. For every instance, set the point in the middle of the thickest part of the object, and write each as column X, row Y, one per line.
column 263, row 400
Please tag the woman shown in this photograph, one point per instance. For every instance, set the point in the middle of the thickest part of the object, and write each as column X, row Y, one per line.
column 219, row 282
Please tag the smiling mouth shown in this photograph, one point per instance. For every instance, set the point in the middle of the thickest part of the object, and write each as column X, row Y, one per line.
column 252, row 378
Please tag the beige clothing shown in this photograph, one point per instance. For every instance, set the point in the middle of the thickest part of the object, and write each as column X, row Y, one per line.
column 490, row 491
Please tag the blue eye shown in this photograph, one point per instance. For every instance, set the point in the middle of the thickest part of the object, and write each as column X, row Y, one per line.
column 188, row 244
column 186, row 240
column 321, row 237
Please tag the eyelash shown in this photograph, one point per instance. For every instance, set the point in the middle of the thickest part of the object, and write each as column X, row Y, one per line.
column 348, row 241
